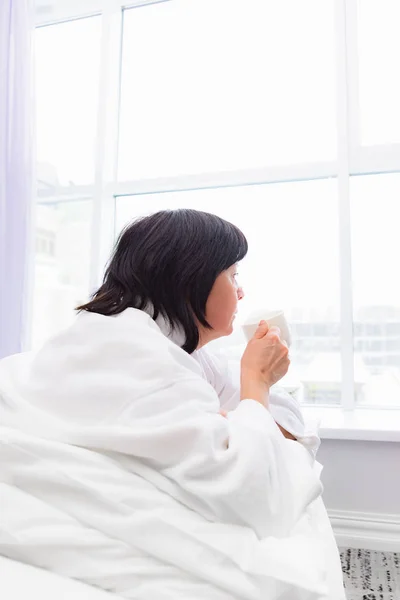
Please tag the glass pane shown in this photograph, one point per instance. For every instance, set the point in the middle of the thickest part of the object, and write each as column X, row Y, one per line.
column 379, row 52
column 292, row 264
column 67, row 86
column 211, row 85
column 376, row 284
column 61, row 265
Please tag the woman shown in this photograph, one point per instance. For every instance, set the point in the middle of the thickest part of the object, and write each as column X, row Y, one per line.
column 115, row 442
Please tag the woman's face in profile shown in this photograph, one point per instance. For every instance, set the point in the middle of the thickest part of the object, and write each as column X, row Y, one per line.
column 222, row 303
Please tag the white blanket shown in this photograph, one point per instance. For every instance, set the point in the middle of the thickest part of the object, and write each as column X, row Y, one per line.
column 117, row 469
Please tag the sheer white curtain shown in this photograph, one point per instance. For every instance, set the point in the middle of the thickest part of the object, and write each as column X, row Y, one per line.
column 16, row 167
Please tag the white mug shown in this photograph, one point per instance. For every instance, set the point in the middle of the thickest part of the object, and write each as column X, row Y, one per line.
column 274, row 318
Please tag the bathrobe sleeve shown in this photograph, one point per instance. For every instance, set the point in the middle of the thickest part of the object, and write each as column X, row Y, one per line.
column 284, row 408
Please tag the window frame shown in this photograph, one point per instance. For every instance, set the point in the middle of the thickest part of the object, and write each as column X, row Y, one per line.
column 352, row 159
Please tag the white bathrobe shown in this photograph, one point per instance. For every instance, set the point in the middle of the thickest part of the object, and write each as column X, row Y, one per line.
column 117, row 469
column 283, row 407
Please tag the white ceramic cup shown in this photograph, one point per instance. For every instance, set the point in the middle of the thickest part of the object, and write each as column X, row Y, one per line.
column 274, row 318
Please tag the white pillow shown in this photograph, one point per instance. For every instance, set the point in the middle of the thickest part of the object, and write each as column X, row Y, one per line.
column 24, row 582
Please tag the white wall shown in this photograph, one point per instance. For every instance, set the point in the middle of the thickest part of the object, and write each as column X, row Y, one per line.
column 361, row 476
column 362, row 492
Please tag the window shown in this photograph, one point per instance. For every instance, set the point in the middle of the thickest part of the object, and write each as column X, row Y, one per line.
column 61, row 265
column 375, row 206
column 379, row 51
column 221, row 85
column 276, row 115
column 67, row 85
column 67, row 58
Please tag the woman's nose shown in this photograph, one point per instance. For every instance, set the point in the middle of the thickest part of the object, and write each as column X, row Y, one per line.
column 240, row 293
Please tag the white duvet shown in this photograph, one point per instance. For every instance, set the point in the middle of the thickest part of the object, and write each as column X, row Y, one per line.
column 117, row 469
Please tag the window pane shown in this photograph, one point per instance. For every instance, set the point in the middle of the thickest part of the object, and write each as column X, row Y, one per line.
column 376, row 251
column 379, row 52
column 67, row 81
column 61, row 265
column 292, row 264
column 210, row 85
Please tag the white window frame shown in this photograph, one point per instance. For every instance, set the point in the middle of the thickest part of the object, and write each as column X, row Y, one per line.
column 353, row 159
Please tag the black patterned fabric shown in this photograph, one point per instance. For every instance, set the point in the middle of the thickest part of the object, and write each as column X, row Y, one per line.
column 370, row 575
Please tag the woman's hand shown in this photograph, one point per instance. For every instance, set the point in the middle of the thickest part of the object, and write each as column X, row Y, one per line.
column 264, row 362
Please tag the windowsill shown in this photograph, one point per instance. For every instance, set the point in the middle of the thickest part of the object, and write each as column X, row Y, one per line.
column 378, row 425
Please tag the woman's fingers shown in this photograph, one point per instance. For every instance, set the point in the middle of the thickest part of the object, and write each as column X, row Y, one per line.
column 266, row 357
column 275, row 329
column 261, row 330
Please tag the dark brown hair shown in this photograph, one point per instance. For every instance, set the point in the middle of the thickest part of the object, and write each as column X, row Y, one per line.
column 170, row 261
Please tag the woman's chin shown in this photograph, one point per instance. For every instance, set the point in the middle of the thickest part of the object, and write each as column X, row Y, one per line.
column 222, row 332
column 230, row 329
